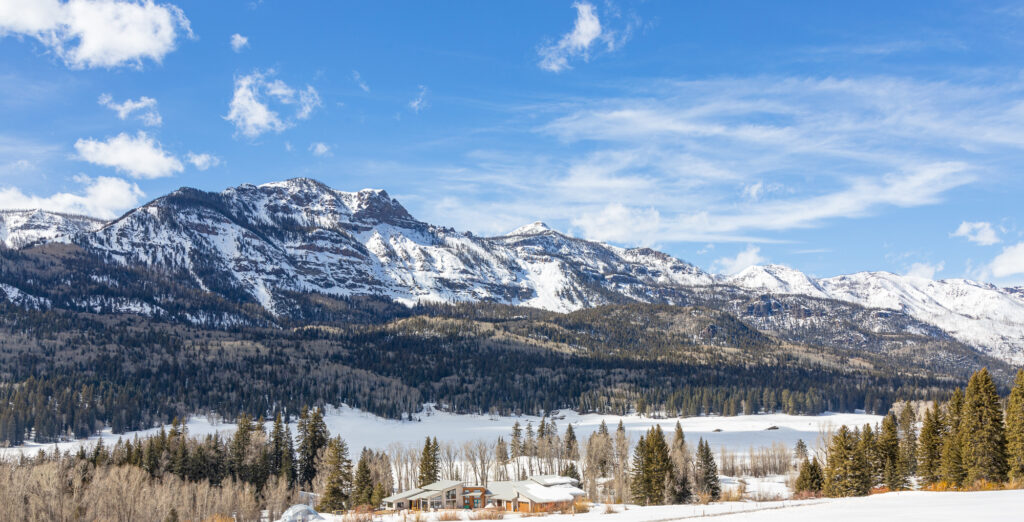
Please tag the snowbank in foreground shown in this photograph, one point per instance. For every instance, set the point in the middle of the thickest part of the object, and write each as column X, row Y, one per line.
column 362, row 429
column 911, row 506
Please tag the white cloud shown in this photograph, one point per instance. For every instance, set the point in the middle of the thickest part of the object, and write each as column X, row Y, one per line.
column 555, row 57
column 925, row 270
column 145, row 105
column 102, row 197
column 98, row 33
column 616, row 222
column 979, row 232
column 359, row 81
column 419, row 103
column 239, row 42
column 1008, row 263
column 202, row 161
column 139, row 156
column 734, row 265
column 250, row 109
column 320, row 149
column 309, row 100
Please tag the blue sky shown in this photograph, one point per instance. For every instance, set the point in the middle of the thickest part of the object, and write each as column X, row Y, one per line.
column 831, row 137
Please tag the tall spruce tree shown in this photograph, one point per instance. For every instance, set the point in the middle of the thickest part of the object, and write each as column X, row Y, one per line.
column 679, row 489
column 953, row 472
column 430, row 465
column 811, row 478
column 1015, row 429
column 929, row 447
column 651, row 468
column 982, row 432
column 847, row 473
column 707, row 471
column 337, row 468
column 894, row 474
column 875, row 459
column 362, row 487
column 908, row 438
column 313, row 435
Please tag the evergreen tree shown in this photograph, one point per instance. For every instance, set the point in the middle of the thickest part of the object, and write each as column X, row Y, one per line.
column 981, row 431
column 430, row 465
column 875, row 459
column 908, row 439
column 338, row 481
column 237, row 452
column 569, row 470
column 811, row 478
column 1015, row 429
column 313, row 436
column 800, row 451
column 929, row 447
column 894, row 474
column 362, row 489
column 707, row 471
column 847, row 473
column 637, row 491
column 572, row 449
column 953, row 472
column 679, row 491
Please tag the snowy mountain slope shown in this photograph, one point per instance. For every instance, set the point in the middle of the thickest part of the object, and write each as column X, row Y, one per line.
column 777, row 279
column 265, row 245
column 978, row 314
column 22, row 227
column 302, row 236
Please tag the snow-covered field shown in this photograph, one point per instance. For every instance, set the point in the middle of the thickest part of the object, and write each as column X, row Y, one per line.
column 911, row 506
column 362, row 429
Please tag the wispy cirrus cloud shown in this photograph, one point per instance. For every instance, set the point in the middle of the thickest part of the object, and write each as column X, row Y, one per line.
column 98, row 33
column 739, row 159
column 144, row 106
column 587, row 34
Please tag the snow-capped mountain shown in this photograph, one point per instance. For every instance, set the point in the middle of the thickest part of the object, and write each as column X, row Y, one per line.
column 22, row 227
column 264, row 245
column 302, row 236
column 978, row 314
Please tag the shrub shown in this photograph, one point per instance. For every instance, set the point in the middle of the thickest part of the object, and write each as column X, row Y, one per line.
column 448, row 515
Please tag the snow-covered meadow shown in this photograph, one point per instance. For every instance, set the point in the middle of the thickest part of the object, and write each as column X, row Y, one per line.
column 362, row 429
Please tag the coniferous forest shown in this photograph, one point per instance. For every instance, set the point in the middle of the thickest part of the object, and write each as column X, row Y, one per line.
column 67, row 374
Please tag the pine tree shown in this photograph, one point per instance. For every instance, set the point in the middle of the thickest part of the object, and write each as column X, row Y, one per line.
column 811, row 478
column 239, row 448
column 908, row 439
column 800, row 451
column 929, row 447
column 338, row 481
column 572, row 450
column 429, row 462
column 313, row 436
column 1015, row 429
column 982, row 432
column 847, row 472
column 876, row 461
column 569, row 470
column 679, row 490
column 637, row 491
column 953, row 472
column 707, row 471
column 894, row 473
column 362, row 489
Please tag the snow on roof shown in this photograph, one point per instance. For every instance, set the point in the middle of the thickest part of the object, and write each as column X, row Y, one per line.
column 552, row 480
column 544, row 494
column 442, row 485
column 402, row 495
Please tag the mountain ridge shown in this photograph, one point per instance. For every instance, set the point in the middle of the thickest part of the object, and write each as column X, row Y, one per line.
column 266, row 244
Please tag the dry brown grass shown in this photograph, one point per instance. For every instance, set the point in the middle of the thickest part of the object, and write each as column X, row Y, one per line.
column 357, row 516
column 609, row 509
column 487, row 514
column 580, row 506
column 448, row 515
column 702, row 498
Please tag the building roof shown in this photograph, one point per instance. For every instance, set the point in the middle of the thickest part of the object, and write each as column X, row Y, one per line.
column 539, row 489
column 442, row 485
column 425, row 494
column 402, row 495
